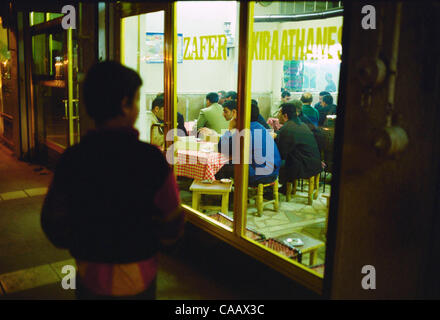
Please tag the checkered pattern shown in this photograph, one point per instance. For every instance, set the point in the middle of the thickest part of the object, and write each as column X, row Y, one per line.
column 199, row 165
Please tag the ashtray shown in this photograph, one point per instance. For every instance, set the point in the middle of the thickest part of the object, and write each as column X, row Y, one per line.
column 225, row 180
column 296, row 242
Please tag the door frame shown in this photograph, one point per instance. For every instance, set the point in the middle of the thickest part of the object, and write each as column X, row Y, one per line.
column 128, row 9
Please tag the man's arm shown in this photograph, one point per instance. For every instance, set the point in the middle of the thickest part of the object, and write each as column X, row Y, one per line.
column 284, row 143
column 201, row 121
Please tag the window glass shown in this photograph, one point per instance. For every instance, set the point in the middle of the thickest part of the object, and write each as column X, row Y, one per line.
column 293, row 62
column 209, row 31
column 143, row 51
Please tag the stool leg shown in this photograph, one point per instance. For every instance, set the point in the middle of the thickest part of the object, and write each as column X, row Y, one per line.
column 275, row 196
column 225, row 203
column 313, row 257
column 196, row 200
column 295, row 185
column 311, row 184
column 260, row 200
column 315, row 195
column 288, row 190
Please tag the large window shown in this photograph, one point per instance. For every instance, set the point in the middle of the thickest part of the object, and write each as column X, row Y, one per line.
column 293, row 61
column 286, row 194
column 209, row 67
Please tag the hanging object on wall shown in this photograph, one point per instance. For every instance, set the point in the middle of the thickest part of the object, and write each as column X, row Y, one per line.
column 372, row 72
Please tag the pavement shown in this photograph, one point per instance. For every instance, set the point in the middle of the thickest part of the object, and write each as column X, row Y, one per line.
column 201, row 267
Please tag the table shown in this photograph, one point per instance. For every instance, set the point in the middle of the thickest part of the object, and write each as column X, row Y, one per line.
column 199, row 165
column 311, row 245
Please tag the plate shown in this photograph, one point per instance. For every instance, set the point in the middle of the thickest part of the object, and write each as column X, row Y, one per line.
column 225, row 180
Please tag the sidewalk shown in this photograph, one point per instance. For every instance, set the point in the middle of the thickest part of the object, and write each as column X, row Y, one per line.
column 200, row 268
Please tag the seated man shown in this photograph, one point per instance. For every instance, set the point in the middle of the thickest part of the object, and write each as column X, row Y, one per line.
column 221, row 97
column 328, row 108
column 307, row 108
column 180, row 119
column 155, row 116
column 298, row 147
column 318, row 105
column 265, row 158
column 231, row 95
column 212, row 116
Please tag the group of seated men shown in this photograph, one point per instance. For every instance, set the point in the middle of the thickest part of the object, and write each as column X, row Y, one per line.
column 289, row 153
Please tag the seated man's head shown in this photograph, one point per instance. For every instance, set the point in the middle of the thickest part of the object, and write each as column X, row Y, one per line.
column 230, row 110
column 211, row 98
column 111, row 94
column 231, row 95
column 327, row 100
column 157, row 107
column 288, row 111
column 255, row 111
column 322, row 94
column 221, row 96
column 307, row 98
column 285, row 96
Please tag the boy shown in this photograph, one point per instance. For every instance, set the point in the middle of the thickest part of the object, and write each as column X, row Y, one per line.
column 113, row 199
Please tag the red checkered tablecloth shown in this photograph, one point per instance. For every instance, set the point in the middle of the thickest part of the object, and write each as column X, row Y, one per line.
column 199, row 165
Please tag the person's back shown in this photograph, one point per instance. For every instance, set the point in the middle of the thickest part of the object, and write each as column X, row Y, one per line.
column 212, row 116
column 297, row 146
column 111, row 195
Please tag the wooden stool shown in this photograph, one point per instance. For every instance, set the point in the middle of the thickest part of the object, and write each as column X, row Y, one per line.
column 313, row 188
column 259, row 198
column 215, row 188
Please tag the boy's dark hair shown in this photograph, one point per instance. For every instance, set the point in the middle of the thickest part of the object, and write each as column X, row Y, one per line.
column 289, row 109
column 230, row 104
column 324, row 93
column 255, row 111
column 285, row 94
column 105, row 86
column 328, row 99
column 223, row 93
column 158, row 102
column 212, row 97
column 232, row 95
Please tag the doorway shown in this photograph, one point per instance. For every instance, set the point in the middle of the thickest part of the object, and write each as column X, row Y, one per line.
column 55, row 88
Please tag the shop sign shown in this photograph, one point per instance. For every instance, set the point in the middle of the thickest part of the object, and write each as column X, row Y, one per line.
column 319, row 43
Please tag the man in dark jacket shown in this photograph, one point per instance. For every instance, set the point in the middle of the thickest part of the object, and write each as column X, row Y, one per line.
column 297, row 146
column 113, row 200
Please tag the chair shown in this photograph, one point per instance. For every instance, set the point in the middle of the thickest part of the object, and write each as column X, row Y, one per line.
column 313, row 188
column 260, row 203
column 215, row 188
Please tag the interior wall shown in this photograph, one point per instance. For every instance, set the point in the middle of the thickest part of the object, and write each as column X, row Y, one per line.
column 383, row 210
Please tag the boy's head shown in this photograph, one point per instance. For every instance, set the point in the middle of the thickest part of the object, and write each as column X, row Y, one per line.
column 157, row 107
column 112, row 91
